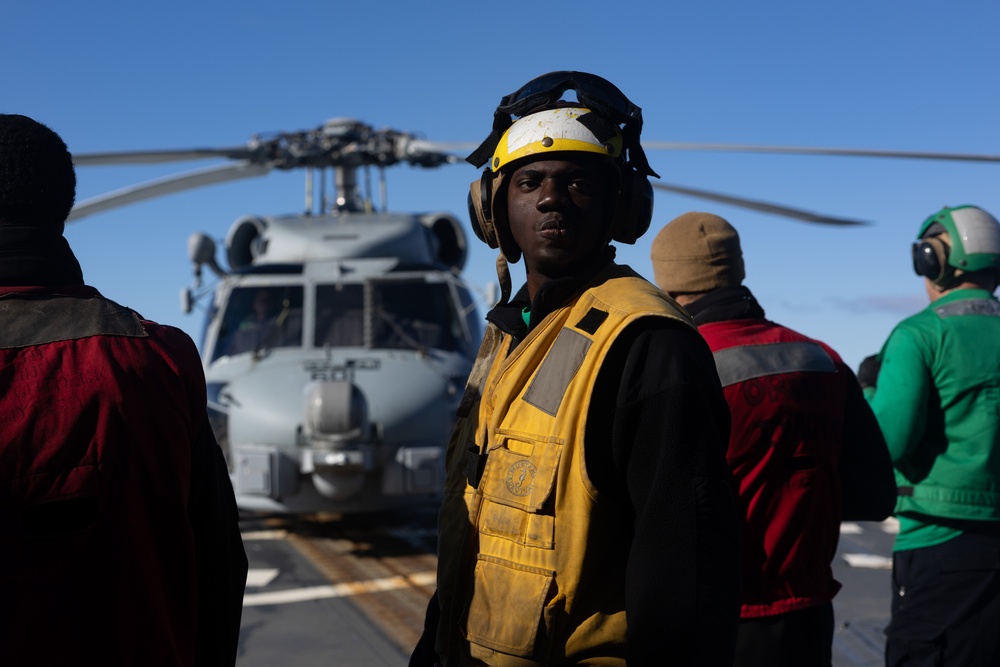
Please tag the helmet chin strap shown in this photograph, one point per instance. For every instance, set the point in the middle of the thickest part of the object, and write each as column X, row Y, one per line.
column 503, row 275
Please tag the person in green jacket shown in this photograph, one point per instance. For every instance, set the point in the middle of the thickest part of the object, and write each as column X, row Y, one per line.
column 935, row 390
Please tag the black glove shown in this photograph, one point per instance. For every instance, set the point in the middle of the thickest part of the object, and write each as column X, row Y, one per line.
column 868, row 371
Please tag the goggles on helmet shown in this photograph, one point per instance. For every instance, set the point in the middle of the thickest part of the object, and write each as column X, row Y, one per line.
column 593, row 92
column 596, row 94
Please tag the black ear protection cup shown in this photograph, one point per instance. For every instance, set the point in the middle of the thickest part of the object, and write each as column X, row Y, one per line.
column 483, row 193
column 930, row 260
column 480, row 213
column 634, row 210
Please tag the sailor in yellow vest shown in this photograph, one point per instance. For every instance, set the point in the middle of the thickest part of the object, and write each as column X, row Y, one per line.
column 588, row 516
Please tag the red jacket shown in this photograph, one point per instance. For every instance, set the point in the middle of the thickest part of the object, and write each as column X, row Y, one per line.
column 801, row 432
column 119, row 541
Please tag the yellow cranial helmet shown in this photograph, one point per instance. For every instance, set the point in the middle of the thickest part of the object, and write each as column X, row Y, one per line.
column 534, row 121
column 564, row 129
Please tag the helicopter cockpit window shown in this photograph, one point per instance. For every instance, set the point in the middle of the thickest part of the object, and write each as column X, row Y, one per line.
column 415, row 315
column 261, row 318
column 340, row 316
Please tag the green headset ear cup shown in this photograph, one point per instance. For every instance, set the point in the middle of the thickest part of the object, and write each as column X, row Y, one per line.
column 634, row 210
column 930, row 260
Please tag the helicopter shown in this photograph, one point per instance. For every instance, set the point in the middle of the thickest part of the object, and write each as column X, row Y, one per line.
column 337, row 341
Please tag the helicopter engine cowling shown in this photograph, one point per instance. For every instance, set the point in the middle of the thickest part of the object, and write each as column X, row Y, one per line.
column 450, row 246
column 243, row 242
column 334, row 427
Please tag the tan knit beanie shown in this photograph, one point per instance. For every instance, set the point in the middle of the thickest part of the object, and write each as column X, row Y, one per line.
column 697, row 252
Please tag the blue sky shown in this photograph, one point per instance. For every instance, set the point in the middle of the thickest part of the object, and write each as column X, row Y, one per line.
column 907, row 75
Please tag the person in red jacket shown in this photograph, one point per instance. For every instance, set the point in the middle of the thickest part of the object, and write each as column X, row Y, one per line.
column 119, row 536
column 805, row 449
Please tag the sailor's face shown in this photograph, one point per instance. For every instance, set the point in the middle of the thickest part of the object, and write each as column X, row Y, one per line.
column 559, row 214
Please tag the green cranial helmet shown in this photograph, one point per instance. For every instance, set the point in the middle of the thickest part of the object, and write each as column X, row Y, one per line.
column 975, row 237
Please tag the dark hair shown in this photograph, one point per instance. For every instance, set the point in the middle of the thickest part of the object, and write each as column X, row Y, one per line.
column 37, row 181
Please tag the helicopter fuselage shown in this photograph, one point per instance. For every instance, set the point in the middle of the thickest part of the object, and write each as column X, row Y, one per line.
column 335, row 359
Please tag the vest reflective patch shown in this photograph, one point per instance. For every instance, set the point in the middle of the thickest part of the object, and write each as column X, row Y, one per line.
column 592, row 321
column 989, row 307
column 745, row 362
column 37, row 321
column 560, row 365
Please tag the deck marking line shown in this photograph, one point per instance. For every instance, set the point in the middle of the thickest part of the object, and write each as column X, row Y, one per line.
column 338, row 590
column 869, row 561
column 278, row 534
column 850, row 528
column 259, row 577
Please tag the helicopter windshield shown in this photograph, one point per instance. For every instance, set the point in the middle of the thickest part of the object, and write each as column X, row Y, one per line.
column 260, row 318
column 405, row 314
column 340, row 316
column 414, row 315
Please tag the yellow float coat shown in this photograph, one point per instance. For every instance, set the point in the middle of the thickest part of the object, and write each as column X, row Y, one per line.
column 531, row 566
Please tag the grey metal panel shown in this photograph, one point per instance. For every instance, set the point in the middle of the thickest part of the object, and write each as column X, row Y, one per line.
column 561, row 364
column 745, row 362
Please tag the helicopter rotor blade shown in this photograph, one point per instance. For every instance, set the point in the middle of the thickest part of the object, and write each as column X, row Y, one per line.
column 159, row 156
column 457, row 150
column 460, row 147
column 169, row 185
column 343, row 143
column 804, row 150
column 764, row 207
column 426, row 153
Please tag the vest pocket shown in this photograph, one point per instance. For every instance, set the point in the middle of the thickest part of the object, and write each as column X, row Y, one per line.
column 521, row 480
column 506, row 607
column 516, row 486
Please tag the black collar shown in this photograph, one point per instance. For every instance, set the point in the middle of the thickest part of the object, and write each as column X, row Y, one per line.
column 550, row 296
column 725, row 303
column 30, row 255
